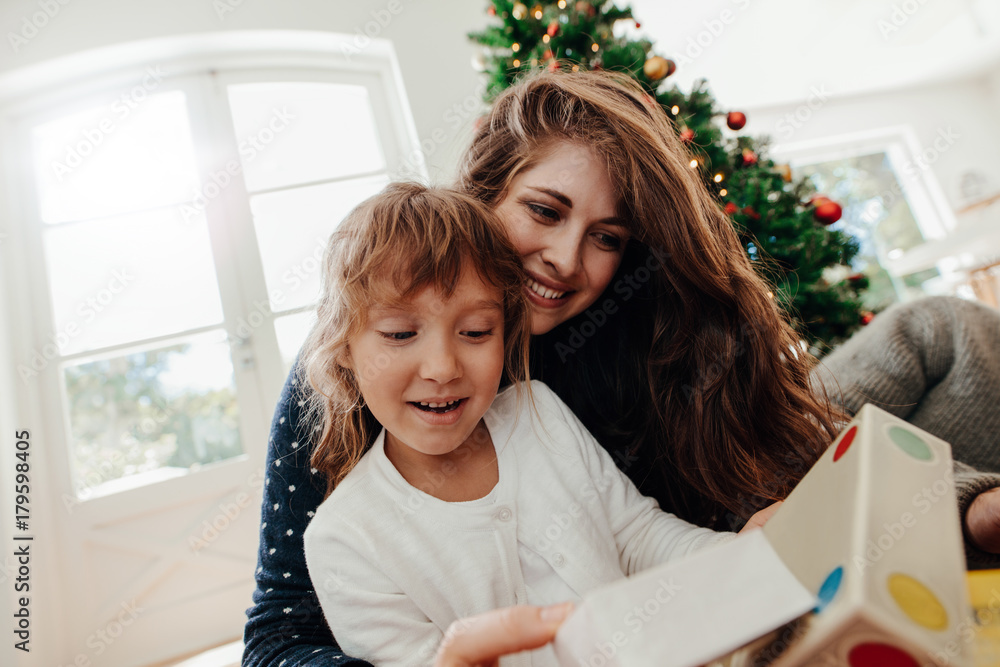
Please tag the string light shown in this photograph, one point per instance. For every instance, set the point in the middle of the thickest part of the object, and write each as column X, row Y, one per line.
column 693, row 163
column 576, row 68
column 517, row 63
column 594, row 47
column 770, row 295
column 538, row 13
column 515, row 47
column 562, row 4
column 675, row 110
column 717, row 178
column 723, row 192
column 545, row 38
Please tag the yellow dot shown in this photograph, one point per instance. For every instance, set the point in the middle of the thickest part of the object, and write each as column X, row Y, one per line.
column 562, row 4
column 517, row 63
column 545, row 38
column 717, row 178
column 576, row 68
column 693, row 163
column 675, row 110
column 723, row 192
column 917, row 602
column 538, row 13
column 515, row 47
column 594, row 47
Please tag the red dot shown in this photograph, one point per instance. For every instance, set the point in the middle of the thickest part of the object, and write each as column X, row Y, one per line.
column 880, row 655
column 845, row 443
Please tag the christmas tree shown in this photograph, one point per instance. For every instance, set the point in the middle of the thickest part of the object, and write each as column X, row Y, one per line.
column 784, row 225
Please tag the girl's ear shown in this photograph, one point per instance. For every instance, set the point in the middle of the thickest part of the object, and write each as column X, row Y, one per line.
column 343, row 358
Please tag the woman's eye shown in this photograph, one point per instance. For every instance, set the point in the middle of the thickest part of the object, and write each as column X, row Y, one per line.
column 543, row 211
column 397, row 335
column 608, row 241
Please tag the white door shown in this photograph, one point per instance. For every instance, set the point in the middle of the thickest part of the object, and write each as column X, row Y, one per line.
column 171, row 230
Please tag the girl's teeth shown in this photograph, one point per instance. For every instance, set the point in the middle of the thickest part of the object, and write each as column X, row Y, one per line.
column 437, row 405
column 544, row 292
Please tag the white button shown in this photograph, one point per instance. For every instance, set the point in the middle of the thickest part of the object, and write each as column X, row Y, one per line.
column 558, row 560
column 504, row 514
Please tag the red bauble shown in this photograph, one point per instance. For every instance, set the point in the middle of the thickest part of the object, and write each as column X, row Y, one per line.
column 750, row 213
column 687, row 135
column 867, row 317
column 749, row 157
column 638, row 25
column 856, row 277
column 554, row 66
column 553, row 29
column 731, row 208
column 491, row 10
column 548, row 55
column 736, row 120
column 828, row 212
column 819, row 200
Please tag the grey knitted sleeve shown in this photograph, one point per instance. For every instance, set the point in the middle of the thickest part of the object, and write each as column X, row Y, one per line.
column 936, row 363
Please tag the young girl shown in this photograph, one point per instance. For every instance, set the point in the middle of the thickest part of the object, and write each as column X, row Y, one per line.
column 467, row 500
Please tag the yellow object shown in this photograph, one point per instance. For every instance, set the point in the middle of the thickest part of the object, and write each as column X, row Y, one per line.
column 917, row 602
column 984, row 593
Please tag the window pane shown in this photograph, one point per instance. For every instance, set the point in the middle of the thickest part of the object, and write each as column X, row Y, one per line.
column 292, row 133
column 152, row 415
column 291, row 331
column 128, row 278
column 878, row 216
column 293, row 227
column 115, row 158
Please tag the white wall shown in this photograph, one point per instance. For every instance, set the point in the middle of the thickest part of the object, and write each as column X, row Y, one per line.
column 429, row 36
column 969, row 108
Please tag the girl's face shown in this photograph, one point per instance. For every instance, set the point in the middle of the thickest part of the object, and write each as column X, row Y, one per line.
column 430, row 367
column 561, row 216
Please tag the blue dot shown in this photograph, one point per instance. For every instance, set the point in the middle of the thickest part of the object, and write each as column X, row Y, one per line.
column 829, row 589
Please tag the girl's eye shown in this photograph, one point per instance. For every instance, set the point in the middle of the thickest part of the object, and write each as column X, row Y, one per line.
column 478, row 334
column 543, row 211
column 397, row 335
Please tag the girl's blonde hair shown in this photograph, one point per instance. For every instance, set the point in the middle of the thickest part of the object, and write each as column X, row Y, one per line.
column 392, row 246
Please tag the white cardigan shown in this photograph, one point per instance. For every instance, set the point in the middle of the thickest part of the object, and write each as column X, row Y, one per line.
column 393, row 566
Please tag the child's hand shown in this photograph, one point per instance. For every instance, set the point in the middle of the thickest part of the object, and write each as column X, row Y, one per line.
column 760, row 518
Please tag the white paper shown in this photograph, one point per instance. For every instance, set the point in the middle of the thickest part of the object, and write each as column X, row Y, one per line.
column 687, row 612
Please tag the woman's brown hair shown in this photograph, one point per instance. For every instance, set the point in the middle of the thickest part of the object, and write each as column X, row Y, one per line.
column 392, row 246
column 712, row 377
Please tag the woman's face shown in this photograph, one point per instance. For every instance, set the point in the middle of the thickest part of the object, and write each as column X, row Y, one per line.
column 561, row 216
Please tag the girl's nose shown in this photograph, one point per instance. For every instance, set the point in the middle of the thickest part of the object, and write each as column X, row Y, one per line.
column 440, row 364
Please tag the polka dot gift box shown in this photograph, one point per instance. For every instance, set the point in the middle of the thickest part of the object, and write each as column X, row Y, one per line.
column 873, row 531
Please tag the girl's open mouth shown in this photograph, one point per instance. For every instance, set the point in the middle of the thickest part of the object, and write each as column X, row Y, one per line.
column 438, row 408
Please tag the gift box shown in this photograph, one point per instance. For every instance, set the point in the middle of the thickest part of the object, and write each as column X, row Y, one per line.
column 871, row 532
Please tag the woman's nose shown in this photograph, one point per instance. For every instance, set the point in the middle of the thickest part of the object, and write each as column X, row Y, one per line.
column 562, row 251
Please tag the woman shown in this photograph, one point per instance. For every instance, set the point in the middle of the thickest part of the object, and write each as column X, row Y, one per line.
column 648, row 320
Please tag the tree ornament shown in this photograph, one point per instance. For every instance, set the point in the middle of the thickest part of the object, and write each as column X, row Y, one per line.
column 750, row 213
column 586, row 8
column 736, row 120
column 491, row 10
column 866, row 317
column 658, row 67
column 731, row 208
column 827, row 212
column 786, row 172
column 638, row 25
column 553, row 29
column 749, row 157
column 687, row 135
column 548, row 55
column 520, row 11
column 855, row 278
column 479, row 61
column 554, row 66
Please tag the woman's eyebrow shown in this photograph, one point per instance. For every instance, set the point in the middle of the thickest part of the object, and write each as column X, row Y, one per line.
column 555, row 194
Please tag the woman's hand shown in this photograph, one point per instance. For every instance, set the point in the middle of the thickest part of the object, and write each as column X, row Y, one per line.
column 481, row 640
column 760, row 518
column 982, row 521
